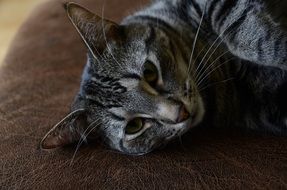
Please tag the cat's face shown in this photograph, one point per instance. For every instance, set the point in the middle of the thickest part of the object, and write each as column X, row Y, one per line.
column 136, row 90
column 140, row 91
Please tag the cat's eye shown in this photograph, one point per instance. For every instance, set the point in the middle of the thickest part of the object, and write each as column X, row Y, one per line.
column 134, row 126
column 150, row 73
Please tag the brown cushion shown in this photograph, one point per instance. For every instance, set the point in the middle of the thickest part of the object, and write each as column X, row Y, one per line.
column 38, row 81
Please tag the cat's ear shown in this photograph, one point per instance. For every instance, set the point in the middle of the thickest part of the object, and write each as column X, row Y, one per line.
column 94, row 30
column 66, row 131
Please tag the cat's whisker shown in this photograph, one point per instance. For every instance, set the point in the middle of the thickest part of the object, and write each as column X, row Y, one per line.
column 195, row 40
column 200, row 52
column 203, row 66
column 213, row 70
column 210, row 66
column 222, row 40
column 216, row 83
column 199, row 65
column 80, row 143
column 91, row 127
column 200, row 73
column 105, row 37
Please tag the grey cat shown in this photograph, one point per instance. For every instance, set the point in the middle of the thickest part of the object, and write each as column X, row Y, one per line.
column 174, row 65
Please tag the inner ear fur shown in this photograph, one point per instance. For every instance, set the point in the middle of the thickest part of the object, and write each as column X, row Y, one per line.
column 67, row 131
column 94, row 30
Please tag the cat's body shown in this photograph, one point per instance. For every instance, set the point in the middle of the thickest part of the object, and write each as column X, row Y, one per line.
column 173, row 65
column 253, row 86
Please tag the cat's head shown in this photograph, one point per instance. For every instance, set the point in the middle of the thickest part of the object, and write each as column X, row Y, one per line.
column 136, row 91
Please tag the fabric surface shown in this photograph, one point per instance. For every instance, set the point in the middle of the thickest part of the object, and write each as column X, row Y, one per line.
column 38, row 81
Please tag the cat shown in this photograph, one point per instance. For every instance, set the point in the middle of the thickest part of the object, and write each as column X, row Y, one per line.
column 172, row 66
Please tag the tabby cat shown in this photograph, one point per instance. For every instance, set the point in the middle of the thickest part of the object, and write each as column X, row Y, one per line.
column 173, row 65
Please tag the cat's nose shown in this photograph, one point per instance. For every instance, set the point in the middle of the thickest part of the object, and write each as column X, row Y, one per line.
column 183, row 114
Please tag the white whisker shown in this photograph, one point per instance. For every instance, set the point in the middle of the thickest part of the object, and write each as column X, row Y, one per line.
column 194, row 42
column 212, row 53
column 215, row 83
column 219, row 36
column 209, row 66
column 209, row 73
column 83, row 138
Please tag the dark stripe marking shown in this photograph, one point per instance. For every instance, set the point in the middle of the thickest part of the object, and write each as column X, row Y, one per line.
column 210, row 11
column 196, row 7
column 225, row 11
column 119, row 118
column 151, row 37
column 157, row 21
column 131, row 76
column 259, row 49
column 236, row 25
column 277, row 47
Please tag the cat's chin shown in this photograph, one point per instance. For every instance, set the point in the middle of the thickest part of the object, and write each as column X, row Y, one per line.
column 181, row 128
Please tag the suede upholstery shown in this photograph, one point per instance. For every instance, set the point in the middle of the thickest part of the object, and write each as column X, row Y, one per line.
column 38, row 81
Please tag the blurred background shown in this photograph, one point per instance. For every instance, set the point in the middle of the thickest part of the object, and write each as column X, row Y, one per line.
column 12, row 14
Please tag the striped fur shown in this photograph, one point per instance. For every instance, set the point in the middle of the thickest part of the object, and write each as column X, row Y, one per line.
column 223, row 60
column 245, row 28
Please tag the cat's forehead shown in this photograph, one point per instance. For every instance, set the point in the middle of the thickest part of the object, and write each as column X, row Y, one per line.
column 137, row 31
column 148, row 35
column 141, row 42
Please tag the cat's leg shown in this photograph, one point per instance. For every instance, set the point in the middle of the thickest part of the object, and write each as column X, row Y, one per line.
column 248, row 30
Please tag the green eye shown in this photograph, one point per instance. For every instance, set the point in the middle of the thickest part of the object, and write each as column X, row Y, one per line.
column 150, row 73
column 134, row 126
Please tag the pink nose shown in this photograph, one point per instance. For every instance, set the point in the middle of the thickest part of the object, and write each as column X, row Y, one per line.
column 182, row 114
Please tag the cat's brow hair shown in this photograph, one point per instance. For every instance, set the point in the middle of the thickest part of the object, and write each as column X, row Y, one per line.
column 114, row 116
column 131, row 76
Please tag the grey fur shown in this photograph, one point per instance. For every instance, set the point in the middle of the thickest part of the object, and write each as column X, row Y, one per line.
column 236, row 75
